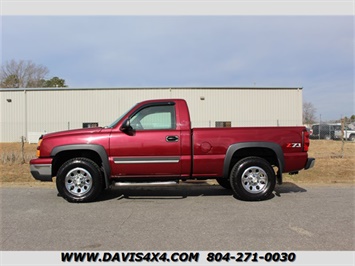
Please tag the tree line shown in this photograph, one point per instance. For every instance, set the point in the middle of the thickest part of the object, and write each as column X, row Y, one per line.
column 309, row 115
column 27, row 74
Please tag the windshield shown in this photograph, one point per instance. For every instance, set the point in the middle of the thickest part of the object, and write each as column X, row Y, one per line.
column 118, row 119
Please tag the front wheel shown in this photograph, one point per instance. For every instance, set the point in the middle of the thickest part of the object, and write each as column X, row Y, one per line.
column 79, row 180
column 252, row 179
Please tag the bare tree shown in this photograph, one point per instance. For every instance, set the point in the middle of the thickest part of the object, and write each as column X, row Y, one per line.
column 22, row 74
column 309, row 113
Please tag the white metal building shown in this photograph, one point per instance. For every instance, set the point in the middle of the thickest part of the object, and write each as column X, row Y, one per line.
column 30, row 112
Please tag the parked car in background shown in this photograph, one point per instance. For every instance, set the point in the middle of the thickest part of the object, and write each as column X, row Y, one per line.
column 324, row 131
column 349, row 134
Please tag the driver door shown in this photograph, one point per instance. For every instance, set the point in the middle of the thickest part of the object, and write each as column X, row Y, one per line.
column 152, row 147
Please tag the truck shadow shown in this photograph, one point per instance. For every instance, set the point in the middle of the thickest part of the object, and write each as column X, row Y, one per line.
column 164, row 192
column 182, row 191
column 288, row 187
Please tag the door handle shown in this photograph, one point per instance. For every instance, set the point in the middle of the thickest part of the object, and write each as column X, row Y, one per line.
column 172, row 138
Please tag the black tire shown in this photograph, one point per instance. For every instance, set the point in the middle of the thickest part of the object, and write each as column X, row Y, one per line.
column 224, row 182
column 79, row 180
column 252, row 179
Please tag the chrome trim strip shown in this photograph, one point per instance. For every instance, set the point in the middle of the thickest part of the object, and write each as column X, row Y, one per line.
column 126, row 160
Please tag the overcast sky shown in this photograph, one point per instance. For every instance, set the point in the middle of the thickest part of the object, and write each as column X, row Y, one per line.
column 313, row 52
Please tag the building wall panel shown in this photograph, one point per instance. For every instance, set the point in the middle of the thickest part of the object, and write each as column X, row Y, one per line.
column 12, row 116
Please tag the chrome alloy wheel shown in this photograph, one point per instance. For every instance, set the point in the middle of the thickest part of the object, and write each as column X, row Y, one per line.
column 78, row 181
column 254, row 179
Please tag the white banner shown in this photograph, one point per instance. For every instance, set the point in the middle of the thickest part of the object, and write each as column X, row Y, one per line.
column 296, row 258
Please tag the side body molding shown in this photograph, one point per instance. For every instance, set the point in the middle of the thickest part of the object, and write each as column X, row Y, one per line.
column 234, row 148
column 100, row 150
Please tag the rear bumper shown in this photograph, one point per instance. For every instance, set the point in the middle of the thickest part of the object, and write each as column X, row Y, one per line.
column 41, row 170
column 310, row 163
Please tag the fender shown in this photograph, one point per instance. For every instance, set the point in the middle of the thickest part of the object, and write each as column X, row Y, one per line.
column 276, row 148
column 100, row 150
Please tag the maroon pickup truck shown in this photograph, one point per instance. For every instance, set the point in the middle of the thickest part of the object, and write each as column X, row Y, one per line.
column 154, row 141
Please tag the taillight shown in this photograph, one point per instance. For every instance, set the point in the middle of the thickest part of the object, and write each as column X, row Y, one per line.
column 305, row 140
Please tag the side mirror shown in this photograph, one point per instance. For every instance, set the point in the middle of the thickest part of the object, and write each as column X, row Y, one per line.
column 126, row 125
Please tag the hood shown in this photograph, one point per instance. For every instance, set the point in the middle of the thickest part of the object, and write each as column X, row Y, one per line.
column 67, row 133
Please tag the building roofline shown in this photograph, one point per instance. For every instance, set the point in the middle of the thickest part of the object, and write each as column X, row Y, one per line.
column 150, row 88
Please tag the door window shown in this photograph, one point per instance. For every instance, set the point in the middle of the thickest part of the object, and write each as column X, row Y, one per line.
column 154, row 118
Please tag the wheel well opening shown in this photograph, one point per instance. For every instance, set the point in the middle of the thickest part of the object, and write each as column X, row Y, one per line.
column 64, row 156
column 265, row 153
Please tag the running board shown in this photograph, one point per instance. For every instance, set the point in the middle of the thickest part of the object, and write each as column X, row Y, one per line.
column 123, row 184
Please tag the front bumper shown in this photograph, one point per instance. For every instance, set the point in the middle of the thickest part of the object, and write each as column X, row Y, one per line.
column 41, row 170
column 310, row 163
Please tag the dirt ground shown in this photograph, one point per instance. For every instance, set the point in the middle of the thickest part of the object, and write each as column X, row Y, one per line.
column 334, row 164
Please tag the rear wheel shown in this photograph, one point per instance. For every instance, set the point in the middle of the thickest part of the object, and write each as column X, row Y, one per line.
column 252, row 178
column 79, row 180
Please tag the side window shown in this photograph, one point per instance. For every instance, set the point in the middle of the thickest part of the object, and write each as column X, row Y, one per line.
column 154, row 117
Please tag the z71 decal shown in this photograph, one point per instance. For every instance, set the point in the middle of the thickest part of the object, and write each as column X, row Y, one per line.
column 293, row 145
